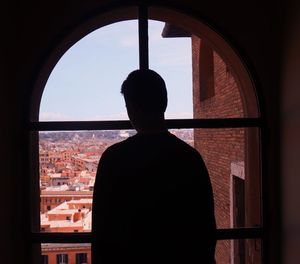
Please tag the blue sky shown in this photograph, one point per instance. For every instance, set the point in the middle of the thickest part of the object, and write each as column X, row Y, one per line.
column 85, row 83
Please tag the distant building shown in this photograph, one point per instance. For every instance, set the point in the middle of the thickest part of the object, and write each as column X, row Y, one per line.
column 58, row 180
column 216, row 94
column 69, row 216
column 83, row 162
column 67, row 155
column 66, row 253
column 52, row 197
column 47, row 157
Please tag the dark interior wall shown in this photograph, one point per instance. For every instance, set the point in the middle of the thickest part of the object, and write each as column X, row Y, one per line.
column 291, row 137
column 30, row 29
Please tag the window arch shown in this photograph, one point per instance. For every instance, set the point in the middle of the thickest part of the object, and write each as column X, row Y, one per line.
column 248, row 123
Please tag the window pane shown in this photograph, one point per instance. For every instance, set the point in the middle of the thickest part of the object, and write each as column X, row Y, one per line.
column 85, row 84
column 171, row 58
column 68, row 165
column 69, row 160
column 64, row 253
column 199, row 81
column 216, row 92
column 232, row 159
column 239, row 251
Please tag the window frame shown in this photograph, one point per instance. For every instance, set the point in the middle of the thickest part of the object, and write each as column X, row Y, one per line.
column 62, row 257
column 78, row 257
column 45, row 259
column 33, row 127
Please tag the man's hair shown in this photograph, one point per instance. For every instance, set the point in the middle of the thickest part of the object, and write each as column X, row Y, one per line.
column 146, row 91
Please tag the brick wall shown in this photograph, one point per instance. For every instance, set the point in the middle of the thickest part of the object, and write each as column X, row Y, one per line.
column 218, row 147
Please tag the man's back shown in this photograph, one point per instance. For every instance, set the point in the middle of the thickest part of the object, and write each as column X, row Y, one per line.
column 153, row 203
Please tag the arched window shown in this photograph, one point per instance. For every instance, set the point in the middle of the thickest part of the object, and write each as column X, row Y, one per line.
column 225, row 126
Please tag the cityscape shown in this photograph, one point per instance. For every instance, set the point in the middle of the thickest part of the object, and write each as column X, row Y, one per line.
column 68, row 165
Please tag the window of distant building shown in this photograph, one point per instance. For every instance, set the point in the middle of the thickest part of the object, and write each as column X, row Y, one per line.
column 221, row 128
column 45, row 259
column 62, row 259
column 81, row 258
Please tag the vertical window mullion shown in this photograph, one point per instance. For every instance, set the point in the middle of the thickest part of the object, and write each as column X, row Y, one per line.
column 143, row 37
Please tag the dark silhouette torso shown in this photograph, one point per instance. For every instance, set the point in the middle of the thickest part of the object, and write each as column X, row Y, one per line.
column 153, row 203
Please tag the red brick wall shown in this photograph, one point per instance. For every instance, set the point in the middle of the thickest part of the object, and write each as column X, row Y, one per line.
column 218, row 147
column 227, row 100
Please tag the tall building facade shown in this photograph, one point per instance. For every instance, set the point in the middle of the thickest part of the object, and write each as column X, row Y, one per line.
column 216, row 94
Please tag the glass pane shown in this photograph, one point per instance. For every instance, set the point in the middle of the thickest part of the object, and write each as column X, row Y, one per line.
column 63, row 253
column 85, row 84
column 68, row 165
column 232, row 158
column 69, row 160
column 239, row 251
column 171, row 58
column 200, row 83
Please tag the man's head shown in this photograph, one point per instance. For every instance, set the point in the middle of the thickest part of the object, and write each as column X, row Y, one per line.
column 145, row 96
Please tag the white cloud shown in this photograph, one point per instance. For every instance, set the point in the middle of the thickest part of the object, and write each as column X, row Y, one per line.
column 116, row 116
column 54, row 116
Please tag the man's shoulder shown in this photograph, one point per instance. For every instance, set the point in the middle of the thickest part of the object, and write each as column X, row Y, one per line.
column 119, row 147
column 165, row 142
column 180, row 143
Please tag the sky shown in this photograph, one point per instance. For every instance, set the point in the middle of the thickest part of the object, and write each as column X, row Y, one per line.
column 85, row 83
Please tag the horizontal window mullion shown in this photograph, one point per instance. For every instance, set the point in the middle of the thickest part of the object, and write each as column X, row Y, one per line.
column 124, row 124
column 214, row 123
column 79, row 125
column 61, row 237
column 222, row 234
column 240, row 233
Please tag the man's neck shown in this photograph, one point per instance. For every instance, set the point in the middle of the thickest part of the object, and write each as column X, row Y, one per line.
column 153, row 127
column 152, row 131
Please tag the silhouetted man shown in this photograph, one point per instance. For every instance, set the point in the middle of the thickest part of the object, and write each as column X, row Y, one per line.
column 153, row 200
